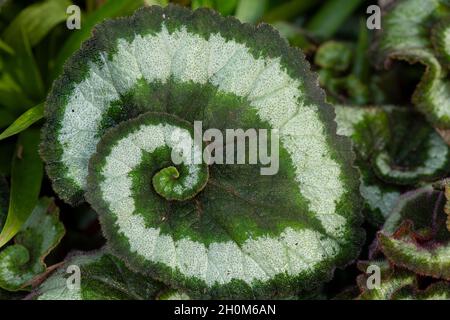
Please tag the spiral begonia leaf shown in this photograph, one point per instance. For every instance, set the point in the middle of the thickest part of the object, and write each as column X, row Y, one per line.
column 415, row 235
column 23, row 261
column 102, row 277
column 242, row 234
column 418, row 32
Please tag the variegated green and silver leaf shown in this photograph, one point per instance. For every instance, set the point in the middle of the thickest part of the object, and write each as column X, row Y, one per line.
column 415, row 235
column 435, row 291
column 418, row 31
column 23, row 261
column 173, row 295
column 397, row 284
column 394, row 146
column 101, row 277
column 242, row 234
column 391, row 281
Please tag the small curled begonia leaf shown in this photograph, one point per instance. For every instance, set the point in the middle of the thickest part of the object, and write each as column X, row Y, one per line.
column 417, row 31
column 402, row 148
column 415, row 236
column 23, row 261
column 4, row 201
column 240, row 234
column 394, row 147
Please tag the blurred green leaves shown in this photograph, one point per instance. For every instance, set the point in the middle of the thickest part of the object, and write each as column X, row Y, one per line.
column 4, row 198
column 224, row 7
column 36, row 21
column 6, row 48
column 26, row 178
column 24, row 121
column 250, row 10
column 331, row 16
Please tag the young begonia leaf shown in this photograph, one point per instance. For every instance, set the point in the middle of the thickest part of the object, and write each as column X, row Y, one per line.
column 23, row 261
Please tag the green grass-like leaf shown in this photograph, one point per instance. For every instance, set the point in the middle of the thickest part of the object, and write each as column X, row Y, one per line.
column 331, row 16
column 36, row 21
column 24, row 121
column 26, row 178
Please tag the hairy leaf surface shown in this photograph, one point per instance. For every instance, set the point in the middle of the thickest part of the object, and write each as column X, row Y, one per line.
column 229, row 231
